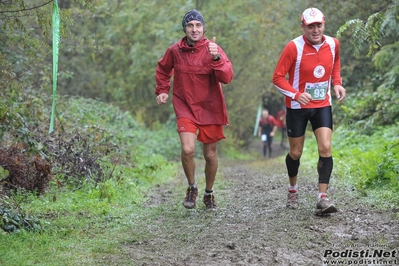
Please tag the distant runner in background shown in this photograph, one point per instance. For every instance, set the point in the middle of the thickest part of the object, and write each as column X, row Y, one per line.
column 266, row 131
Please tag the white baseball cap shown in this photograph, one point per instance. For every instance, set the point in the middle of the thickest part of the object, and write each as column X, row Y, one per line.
column 312, row 15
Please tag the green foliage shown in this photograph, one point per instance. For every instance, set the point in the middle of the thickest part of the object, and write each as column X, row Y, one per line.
column 388, row 170
column 374, row 159
column 3, row 173
column 376, row 97
column 9, row 109
column 374, row 106
column 24, row 43
column 387, row 94
column 357, row 111
column 372, row 32
column 15, row 219
column 24, row 50
column 108, row 124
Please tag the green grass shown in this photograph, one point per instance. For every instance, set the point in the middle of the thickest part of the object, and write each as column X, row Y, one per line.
column 80, row 224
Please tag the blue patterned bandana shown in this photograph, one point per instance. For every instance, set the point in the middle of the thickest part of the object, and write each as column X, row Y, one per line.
column 192, row 15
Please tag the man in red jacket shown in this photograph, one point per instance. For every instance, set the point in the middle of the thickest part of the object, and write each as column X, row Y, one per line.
column 312, row 62
column 199, row 66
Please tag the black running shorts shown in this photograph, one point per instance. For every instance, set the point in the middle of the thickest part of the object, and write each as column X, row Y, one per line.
column 297, row 120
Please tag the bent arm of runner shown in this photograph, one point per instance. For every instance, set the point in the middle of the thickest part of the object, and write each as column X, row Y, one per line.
column 164, row 72
column 273, row 133
column 286, row 60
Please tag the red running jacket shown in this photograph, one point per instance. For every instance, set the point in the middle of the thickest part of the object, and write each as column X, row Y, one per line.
column 308, row 67
column 197, row 89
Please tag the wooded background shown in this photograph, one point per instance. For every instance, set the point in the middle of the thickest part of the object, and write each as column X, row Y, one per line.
column 109, row 51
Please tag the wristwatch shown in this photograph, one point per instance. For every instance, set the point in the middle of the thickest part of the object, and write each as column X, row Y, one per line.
column 218, row 58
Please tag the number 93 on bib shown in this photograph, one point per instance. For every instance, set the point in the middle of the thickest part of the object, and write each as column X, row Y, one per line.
column 317, row 90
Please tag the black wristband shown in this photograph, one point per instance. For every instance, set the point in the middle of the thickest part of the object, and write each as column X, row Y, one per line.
column 217, row 59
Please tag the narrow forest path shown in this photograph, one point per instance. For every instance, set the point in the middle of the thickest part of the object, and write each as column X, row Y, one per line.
column 253, row 227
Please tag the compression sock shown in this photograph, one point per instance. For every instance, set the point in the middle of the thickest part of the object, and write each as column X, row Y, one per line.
column 292, row 166
column 324, row 169
column 207, row 192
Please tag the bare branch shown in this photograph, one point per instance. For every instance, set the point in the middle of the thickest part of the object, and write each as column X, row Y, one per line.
column 26, row 9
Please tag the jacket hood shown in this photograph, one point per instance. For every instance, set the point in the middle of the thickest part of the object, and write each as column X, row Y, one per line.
column 184, row 46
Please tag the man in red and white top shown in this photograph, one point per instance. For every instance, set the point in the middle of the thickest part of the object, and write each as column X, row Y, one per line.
column 312, row 62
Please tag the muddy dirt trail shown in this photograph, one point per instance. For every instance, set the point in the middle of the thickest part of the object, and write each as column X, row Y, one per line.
column 253, row 227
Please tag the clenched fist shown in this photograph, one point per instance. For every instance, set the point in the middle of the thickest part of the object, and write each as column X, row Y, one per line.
column 162, row 98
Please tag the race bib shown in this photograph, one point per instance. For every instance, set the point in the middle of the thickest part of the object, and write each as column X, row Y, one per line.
column 317, row 90
column 264, row 137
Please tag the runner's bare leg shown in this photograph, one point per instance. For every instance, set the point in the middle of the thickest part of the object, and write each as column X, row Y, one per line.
column 296, row 148
column 187, row 141
column 211, row 163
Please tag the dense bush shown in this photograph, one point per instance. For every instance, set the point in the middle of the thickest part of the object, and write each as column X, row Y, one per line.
column 370, row 162
column 24, row 172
